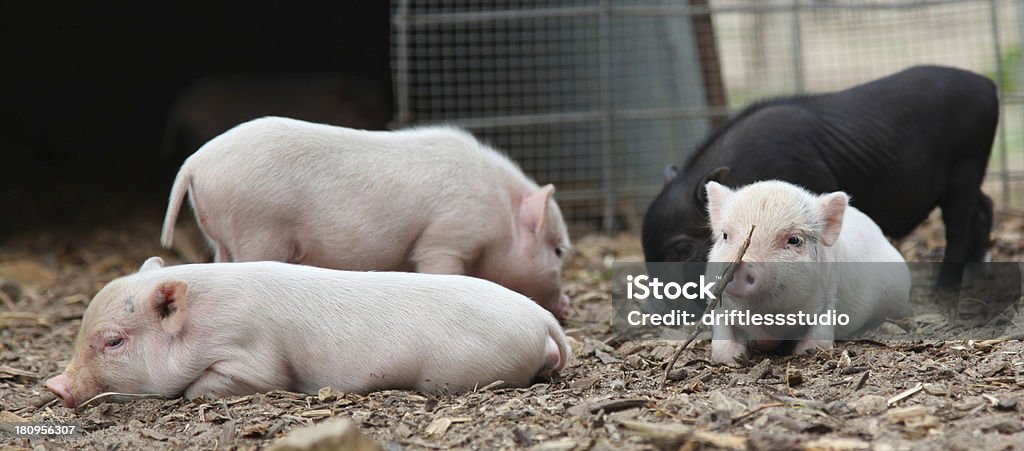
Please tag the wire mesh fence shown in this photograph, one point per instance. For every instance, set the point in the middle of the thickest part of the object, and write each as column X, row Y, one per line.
column 598, row 97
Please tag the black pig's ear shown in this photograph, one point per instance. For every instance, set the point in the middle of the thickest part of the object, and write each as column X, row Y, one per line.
column 670, row 173
column 719, row 175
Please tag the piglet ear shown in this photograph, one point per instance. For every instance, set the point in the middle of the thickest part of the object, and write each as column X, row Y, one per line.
column 670, row 173
column 168, row 301
column 151, row 263
column 718, row 174
column 833, row 207
column 534, row 209
column 717, row 196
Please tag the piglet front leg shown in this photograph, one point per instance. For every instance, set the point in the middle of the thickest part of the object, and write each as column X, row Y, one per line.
column 725, row 347
column 439, row 262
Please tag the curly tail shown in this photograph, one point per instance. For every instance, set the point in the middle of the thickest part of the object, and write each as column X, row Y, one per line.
column 182, row 184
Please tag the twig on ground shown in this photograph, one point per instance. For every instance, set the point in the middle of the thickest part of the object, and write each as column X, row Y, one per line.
column 905, row 394
column 121, row 396
column 727, row 276
column 756, row 410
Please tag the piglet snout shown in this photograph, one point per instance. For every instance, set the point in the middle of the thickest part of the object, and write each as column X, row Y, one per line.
column 60, row 386
column 747, row 281
column 563, row 306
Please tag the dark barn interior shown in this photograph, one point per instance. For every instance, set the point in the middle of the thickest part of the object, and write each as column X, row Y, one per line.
column 88, row 91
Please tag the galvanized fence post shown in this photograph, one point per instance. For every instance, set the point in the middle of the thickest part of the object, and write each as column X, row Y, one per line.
column 1004, row 171
column 798, row 54
column 607, row 162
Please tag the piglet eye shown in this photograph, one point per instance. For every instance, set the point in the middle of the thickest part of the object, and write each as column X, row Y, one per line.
column 795, row 241
column 725, row 236
column 114, row 342
column 558, row 251
column 680, row 252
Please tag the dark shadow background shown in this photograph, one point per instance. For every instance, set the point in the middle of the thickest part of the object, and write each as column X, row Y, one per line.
column 86, row 90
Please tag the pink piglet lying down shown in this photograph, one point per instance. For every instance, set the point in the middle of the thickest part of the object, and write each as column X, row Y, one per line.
column 238, row 328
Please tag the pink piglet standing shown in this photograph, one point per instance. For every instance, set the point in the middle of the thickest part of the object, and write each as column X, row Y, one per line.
column 431, row 200
column 809, row 253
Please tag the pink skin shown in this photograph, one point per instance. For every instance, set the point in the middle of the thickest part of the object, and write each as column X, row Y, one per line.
column 60, row 386
column 238, row 328
column 811, row 232
column 781, row 237
column 432, row 200
column 535, row 239
column 746, row 282
column 563, row 306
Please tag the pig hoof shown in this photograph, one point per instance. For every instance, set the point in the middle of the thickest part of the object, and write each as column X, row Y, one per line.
column 812, row 346
column 727, row 352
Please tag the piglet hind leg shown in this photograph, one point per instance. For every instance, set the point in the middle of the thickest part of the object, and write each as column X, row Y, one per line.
column 966, row 222
column 265, row 247
column 977, row 273
column 981, row 230
column 553, row 361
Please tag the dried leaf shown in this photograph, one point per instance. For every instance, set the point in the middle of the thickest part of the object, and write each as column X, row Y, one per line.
column 255, row 430
column 836, row 444
column 905, row 394
column 10, row 417
column 439, row 426
column 903, row 414
column 317, row 413
column 9, row 320
column 869, row 405
column 605, row 357
column 329, row 435
column 7, row 372
column 149, row 433
column 29, row 273
column 616, row 405
column 329, row 394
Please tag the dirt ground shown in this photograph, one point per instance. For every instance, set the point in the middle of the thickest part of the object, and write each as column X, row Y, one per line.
column 882, row 395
